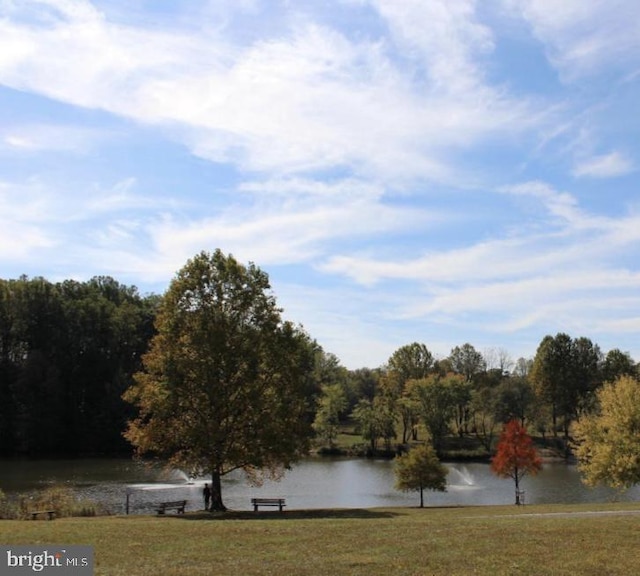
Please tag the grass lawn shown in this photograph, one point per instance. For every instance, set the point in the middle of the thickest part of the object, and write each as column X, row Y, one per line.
column 537, row 540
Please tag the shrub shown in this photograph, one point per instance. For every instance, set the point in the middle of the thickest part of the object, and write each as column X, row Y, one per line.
column 60, row 499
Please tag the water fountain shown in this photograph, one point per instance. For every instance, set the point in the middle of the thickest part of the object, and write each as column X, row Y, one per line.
column 176, row 479
column 460, row 478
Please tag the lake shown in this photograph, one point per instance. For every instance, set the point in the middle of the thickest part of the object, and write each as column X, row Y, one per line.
column 312, row 483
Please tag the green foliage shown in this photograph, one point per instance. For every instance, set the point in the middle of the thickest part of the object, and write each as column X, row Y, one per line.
column 411, row 362
column 226, row 381
column 375, row 420
column 608, row 440
column 565, row 373
column 617, row 364
column 466, row 360
column 330, row 407
column 437, row 398
column 514, row 399
column 365, row 382
column 67, row 352
column 419, row 470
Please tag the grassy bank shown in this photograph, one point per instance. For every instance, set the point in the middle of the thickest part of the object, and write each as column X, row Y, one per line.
column 496, row 540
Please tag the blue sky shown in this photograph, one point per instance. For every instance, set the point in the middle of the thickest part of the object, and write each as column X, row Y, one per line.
column 420, row 170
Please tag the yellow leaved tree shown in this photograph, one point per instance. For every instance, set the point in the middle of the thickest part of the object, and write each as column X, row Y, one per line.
column 607, row 442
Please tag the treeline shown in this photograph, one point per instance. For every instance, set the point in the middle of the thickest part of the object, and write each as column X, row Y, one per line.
column 67, row 353
column 468, row 394
column 69, row 350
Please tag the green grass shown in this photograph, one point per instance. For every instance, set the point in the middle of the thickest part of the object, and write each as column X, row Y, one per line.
column 495, row 540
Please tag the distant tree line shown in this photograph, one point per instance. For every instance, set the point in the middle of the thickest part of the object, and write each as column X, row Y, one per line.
column 68, row 351
column 469, row 394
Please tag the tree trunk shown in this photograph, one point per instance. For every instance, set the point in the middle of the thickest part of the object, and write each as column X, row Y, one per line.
column 216, row 493
column 406, row 424
column 421, row 497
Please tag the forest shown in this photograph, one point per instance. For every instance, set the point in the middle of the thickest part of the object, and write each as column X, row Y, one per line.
column 69, row 351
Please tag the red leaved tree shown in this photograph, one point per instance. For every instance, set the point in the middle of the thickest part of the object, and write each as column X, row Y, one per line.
column 515, row 455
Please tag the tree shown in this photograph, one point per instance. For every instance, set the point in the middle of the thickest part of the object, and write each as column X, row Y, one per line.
column 498, row 359
column 522, row 367
column 466, row 360
column 224, row 381
column 483, row 405
column 437, row 403
column 330, row 406
column 565, row 374
column 410, row 362
column 551, row 374
column 608, row 440
column 67, row 353
column 514, row 399
column 616, row 364
column 365, row 382
column 374, row 420
column 515, row 455
column 420, row 469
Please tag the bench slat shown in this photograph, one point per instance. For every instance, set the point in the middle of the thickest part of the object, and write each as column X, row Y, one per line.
column 178, row 505
column 50, row 513
column 257, row 502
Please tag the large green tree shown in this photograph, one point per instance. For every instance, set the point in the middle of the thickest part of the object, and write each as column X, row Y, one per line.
column 225, row 382
column 436, row 398
column 565, row 374
column 608, row 440
column 410, row 362
column 465, row 360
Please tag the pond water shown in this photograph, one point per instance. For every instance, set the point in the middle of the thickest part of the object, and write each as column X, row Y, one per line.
column 312, row 483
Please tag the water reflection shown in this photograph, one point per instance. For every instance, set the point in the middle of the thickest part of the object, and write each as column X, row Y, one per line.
column 313, row 483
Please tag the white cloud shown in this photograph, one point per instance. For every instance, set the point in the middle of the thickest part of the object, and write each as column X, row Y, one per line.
column 583, row 37
column 36, row 138
column 559, row 272
column 23, row 211
column 296, row 223
column 606, row 166
column 345, row 147
column 308, row 100
column 446, row 38
column 37, row 218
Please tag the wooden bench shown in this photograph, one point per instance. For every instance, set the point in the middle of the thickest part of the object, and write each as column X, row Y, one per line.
column 51, row 514
column 279, row 502
column 178, row 506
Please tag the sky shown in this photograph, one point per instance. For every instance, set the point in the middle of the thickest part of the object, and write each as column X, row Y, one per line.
column 433, row 171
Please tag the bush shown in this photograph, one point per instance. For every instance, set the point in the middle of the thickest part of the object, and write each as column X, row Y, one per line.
column 8, row 509
column 60, row 499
